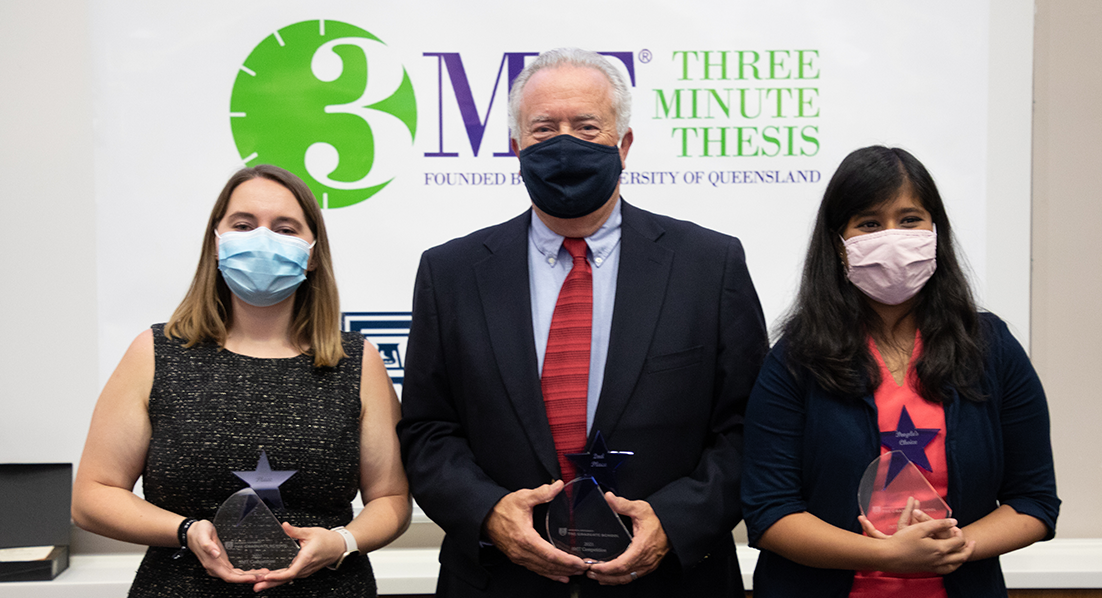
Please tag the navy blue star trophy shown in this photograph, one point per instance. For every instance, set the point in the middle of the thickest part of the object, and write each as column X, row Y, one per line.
column 249, row 531
column 893, row 478
column 579, row 520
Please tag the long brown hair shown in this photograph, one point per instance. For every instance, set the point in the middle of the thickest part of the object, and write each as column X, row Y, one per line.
column 206, row 313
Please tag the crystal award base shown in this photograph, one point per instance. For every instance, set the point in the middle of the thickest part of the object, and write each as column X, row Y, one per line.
column 579, row 521
column 888, row 483
column 251, row 535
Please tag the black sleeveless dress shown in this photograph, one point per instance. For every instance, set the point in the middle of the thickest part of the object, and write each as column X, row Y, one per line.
column 212, row 413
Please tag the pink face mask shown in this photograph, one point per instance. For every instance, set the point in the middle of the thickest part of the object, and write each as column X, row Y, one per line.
column 891, row 266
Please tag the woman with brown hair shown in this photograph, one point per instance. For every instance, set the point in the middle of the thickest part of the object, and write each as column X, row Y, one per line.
column 250, row 379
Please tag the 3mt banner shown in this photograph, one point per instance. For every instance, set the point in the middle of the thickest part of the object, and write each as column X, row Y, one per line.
column 395, row 115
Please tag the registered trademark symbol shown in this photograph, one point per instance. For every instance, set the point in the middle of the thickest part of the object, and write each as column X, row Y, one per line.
column 645, row 56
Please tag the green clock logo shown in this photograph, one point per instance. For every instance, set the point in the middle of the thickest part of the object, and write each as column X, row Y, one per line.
column 331, row 103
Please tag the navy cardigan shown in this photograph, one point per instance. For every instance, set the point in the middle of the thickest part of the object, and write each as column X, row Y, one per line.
column 807, row 449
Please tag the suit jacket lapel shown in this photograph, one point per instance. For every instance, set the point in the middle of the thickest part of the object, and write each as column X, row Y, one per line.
column 640, row 290
column 502, row 279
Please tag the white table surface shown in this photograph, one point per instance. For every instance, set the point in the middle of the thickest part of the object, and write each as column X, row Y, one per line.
column 1056, row 564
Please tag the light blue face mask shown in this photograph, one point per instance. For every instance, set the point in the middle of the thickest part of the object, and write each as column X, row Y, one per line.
column 262, row 267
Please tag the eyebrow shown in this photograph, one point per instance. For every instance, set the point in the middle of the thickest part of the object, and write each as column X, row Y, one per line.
column 876, row 212
column 543, row 118
column 249, row 215
column 278, row 220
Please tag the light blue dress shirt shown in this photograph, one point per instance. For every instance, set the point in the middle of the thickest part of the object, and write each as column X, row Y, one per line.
column 548, row 264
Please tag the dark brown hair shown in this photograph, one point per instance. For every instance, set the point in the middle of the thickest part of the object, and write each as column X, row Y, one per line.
column 828, row 328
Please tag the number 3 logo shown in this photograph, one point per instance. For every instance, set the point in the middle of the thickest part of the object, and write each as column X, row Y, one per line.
column 329, row 102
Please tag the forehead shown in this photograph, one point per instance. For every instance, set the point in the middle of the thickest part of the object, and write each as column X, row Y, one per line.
column 556, row 87
column 904, row 200
column 266, row 197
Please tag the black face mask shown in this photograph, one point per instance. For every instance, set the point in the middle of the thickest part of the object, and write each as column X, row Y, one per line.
column 568, row 177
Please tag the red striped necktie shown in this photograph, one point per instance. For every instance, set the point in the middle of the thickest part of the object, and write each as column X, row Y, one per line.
column 565, row 380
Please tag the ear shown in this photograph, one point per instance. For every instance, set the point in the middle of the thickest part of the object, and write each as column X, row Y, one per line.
column 625, row 145
column 514, row 146
column 215, row 240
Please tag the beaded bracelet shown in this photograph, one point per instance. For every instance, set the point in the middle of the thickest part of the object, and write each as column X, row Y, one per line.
column 181, row 532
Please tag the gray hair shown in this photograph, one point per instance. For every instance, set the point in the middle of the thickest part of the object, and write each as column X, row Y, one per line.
column 621, row 93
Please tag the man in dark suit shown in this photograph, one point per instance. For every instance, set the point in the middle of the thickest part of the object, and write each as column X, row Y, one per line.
column 671, row 351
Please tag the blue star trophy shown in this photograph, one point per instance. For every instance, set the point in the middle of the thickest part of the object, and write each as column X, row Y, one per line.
column 579, row 520
column 250, row 533
column 893, row 478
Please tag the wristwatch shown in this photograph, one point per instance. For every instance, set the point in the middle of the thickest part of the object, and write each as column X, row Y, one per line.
column 350, row 546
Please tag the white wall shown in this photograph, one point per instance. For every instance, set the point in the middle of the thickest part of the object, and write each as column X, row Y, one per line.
column 48, row 363
column 1067, row 262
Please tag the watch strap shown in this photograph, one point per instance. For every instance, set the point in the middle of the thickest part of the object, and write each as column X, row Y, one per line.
column 350, row 546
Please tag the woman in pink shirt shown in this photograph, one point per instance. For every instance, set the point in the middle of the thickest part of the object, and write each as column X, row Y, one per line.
column 885, row 350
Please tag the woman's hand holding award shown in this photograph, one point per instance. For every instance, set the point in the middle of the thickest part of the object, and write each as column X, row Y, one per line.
column 250, row 533
column 890, row 484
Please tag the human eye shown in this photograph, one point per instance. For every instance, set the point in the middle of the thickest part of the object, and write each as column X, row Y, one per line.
column 287, row 225
column 589, row 130
column 542, row 132
column 539, row 125
column 867, row 225
column 242, row 226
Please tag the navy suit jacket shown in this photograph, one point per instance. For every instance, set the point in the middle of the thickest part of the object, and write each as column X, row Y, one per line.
column 687, row 341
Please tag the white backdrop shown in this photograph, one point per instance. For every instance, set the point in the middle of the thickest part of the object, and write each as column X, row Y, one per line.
column 873, row 72
column 64, row 125
column 117, row 137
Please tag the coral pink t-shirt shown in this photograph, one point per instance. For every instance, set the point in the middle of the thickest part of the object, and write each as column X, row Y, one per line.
column 914, row 433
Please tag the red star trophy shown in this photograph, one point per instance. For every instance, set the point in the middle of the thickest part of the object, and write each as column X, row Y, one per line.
column 249, row 531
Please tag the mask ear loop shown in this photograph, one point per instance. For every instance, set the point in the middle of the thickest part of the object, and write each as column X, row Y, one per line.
column 842, row 258
column 310, row 259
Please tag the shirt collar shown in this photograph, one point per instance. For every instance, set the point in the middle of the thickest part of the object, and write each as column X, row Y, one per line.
column 601, row 243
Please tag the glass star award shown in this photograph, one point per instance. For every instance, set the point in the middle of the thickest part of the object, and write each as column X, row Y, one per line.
column 249, row 531
column 579, row 520
column 889, row 482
